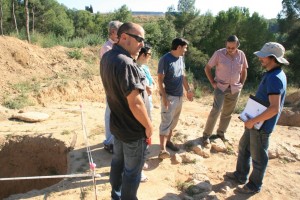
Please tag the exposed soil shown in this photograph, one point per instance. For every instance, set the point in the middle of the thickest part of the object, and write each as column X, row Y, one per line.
column 28, row 157
column 65, row 84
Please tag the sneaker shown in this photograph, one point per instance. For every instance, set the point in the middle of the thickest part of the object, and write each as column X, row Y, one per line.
column 171, row 146
column 144, row 178
column 146, row 166
column 232, row 176
column 163, row 154
column 246, row 190
column 109, row 148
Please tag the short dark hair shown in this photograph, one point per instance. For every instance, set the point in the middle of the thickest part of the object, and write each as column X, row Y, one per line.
column 178, row 42
column 124, row 28
column 275, row 59
column 233, row 38
column 145, row 49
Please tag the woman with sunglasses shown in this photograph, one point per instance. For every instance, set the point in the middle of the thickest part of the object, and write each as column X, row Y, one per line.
column 143, row 59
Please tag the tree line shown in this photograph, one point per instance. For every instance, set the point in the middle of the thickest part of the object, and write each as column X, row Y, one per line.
column 205, row 32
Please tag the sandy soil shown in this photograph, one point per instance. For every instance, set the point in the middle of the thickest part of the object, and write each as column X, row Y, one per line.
column 62, row 103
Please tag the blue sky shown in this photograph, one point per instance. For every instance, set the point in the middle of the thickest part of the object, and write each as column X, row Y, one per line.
column 267, row 8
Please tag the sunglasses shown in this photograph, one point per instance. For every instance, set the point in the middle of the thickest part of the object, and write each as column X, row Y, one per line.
column 136, row 37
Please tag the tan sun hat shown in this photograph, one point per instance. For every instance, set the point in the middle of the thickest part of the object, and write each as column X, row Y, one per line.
column 273, row 49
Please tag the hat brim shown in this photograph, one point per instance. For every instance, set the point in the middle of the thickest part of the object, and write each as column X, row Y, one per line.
column 263, row 55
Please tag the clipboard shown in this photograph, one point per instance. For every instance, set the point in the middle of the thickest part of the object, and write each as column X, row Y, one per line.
column 253, row 108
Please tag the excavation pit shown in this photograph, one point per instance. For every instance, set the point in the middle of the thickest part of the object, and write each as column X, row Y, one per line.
column 25, row 156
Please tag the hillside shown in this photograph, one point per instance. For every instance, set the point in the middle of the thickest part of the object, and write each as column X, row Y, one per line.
column 48, row 72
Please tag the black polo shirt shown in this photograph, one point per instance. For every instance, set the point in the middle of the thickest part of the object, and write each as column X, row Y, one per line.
column 120, row 75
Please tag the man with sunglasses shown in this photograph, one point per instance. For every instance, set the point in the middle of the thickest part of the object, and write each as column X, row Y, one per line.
column 125, row 88
column 230, row 75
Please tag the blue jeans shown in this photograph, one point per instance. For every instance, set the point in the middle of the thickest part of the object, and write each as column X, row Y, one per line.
column 224, row 103
column 109, row 138
column 126, row 167
column 253, row 144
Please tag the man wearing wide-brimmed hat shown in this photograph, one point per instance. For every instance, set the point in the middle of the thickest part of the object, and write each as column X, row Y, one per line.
column 254, row 143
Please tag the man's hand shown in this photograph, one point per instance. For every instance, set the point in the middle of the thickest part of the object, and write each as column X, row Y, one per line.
column 149, row 90
column 190, row 95
column 249, row 124
column 214, row 84
column 149, row 131
column 166, row 102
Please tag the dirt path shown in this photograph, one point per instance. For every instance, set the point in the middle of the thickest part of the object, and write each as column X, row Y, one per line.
column 281, row 180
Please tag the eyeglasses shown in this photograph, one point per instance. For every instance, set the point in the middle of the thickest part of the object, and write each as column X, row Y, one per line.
column 231, row 48
column 136, row 37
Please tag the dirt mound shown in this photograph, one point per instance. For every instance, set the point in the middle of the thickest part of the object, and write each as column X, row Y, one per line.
column 27, row 156
column 50, row 72
column 290, row 115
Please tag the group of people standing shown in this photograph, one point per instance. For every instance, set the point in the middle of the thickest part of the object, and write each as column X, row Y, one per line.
column 128, row 86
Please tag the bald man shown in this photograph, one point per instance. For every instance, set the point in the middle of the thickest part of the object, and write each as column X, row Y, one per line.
column 130, row 123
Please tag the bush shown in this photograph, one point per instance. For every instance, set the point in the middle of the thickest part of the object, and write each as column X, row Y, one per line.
column 26, row 87
column 89, row 40
column 77, row 54
column 18, row 102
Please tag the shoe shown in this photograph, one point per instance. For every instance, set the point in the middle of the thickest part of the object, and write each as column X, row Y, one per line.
column 109, row 148
column 144, row 178
column 145, row 166
column 163, row 154
column 205, row 140
column 246, row 190
column 232, row 176
column 222, row 137
column 171, row 146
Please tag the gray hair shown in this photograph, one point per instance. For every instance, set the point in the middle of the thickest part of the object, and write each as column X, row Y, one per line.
column 114, row 25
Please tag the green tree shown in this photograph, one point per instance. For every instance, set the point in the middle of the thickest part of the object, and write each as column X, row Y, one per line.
column 289, row 26
column 57, row 23
column 168, row 34
column 185, row 16
column 153, row 33
column 195, row 61
column 35, row 7
column 122, row 14
column 83, row 23
column 200, row 30
column 252, row 39
column 89, row 8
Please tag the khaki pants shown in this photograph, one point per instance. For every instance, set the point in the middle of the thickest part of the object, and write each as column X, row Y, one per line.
column 224, row 103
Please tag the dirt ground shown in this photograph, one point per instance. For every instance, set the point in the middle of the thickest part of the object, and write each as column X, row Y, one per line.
column 67, row 83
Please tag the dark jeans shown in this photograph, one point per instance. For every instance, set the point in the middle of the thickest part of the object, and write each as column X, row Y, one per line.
column 253, row 144
column 126, row 166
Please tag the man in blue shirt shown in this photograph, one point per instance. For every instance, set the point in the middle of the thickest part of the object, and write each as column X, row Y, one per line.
column 254, row 143
column 171, row 81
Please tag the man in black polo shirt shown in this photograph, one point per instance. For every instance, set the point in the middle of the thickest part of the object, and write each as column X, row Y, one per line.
column 127, row 98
